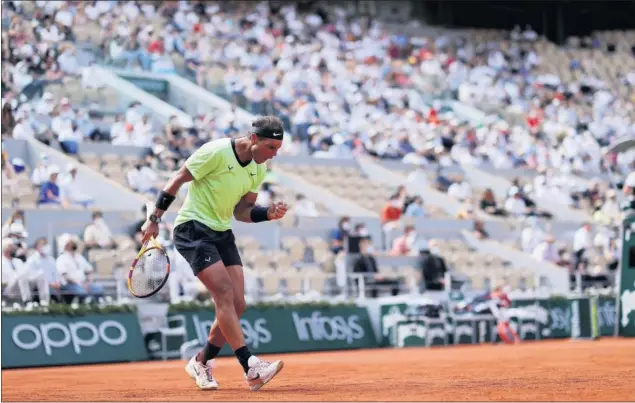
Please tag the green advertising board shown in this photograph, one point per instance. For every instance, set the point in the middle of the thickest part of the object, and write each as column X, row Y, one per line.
column 626, row 293
column 606, row 315
column 40, row 340
column 289, row 329
column 553, row 316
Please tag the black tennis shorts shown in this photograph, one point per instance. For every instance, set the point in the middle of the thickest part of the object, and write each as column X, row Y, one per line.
column 201, row 246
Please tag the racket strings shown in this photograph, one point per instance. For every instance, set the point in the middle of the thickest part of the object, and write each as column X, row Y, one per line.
column 149, row 271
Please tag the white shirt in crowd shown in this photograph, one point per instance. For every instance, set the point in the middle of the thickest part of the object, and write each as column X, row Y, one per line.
column 142, row 180
column 74, row 266
column 68, row 62
column 64, row 17
column 71, row 190
column 39, row 175
column 530, row 238
column 98, row 232
column 23, row 131
column 546, row 252
column 306, row 208
column 50, row 34
column 515, row 206
column 90, row 78
column 582, row 239
column 143, row 135
column 11, row 268
column 44, row 264
column 460, row 191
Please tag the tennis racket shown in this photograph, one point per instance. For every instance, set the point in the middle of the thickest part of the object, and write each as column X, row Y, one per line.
column 149, row 270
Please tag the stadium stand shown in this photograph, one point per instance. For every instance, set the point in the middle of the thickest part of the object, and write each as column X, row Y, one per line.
column 496, row 102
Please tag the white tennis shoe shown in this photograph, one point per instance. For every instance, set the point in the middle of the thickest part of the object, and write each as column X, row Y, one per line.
column 202, row 374
column 261, row 372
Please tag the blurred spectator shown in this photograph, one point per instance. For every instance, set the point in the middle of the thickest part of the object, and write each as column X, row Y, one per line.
column 531, row 235
column 367, row 265
column 75, row 271
column 612, row 255
column 143, row 179
column 304, row 207
column 8, row 120
column 515, row 205
column 360, row 230
column 466, row 210
column 97, row 234
column 182, row 281
column 432, row 266
column 338, row 236
column 403, row 244
column 71, row 190
column 479, row 231
column 582, row 243
column 17, row 217
column 69, row 137
column 41, row 172
column 143, row 132
column 22, row 129
column 41, row 264
column 629, row 191
column 68, row 61
column 17, row 233
column 13, row 270
column 546, row 250
column 391, row 213
column 609, row 211
column 489, row 205
column 265, row 195
column 49, row 190
column 460, row 189
column 415, row 209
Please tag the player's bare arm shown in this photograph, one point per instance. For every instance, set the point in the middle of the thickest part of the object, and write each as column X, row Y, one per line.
column 243, row 210
column 151, row 226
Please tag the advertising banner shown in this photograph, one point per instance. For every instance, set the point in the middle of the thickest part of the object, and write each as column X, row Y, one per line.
column 276, row 330
column 34, row 340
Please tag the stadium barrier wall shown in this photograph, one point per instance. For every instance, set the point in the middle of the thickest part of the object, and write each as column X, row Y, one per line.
column 35, row 341
column 48, row 340
column 280, row 329
column 583, row 317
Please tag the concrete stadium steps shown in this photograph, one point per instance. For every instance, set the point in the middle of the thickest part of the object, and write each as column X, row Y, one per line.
column 348, row 183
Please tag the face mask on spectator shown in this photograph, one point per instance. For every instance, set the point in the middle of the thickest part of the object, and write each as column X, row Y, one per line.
column 346, row 226
column 46, row 249
column 363, row 231
column 370, row 249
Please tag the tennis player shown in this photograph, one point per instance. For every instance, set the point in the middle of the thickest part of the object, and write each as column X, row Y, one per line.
column 225, row 176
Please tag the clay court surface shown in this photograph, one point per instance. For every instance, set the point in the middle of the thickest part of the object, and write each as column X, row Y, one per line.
column 538, row 371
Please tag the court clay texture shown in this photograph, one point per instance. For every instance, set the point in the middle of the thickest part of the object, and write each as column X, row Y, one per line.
column 537, row 371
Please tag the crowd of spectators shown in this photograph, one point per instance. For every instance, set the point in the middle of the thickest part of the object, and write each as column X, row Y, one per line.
column 344, row 86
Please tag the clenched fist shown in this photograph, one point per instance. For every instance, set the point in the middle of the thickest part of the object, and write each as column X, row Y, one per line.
column 277, row 211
